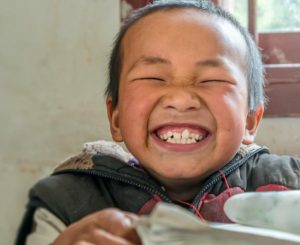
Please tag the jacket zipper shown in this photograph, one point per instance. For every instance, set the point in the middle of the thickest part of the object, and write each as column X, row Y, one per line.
column 149, row 189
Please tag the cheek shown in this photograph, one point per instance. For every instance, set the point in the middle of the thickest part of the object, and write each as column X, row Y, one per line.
column 136, row 103
column 136, row 106
column 230, row 110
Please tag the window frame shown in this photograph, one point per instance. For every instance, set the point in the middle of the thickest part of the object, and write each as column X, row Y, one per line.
column 282, row 73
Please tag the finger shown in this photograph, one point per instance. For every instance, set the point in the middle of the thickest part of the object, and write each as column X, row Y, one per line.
column 114, row 221
column 120, row 224
column 133, row 217
column 84, row 243
column 101, row 237
column 105, row 226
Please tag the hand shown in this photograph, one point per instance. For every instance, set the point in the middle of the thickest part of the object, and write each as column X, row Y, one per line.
column 107, row 227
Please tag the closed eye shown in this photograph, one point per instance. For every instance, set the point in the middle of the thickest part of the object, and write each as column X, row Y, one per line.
column 216, row 81
column 151, row 78
column 157, row 80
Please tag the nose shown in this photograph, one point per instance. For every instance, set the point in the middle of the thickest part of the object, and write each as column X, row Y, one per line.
column 181, row 99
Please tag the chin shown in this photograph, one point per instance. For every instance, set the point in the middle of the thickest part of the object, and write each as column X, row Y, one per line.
column 175, row 173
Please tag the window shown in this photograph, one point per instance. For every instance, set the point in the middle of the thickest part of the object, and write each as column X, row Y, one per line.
column 275, row 25
column 128, row 5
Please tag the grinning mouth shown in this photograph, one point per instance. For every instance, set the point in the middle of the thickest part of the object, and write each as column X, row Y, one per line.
column 181, row 135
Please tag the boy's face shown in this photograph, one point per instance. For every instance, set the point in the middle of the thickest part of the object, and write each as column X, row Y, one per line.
column 182, row 109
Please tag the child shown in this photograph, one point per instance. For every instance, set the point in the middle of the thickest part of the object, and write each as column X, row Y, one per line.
column 186, row 97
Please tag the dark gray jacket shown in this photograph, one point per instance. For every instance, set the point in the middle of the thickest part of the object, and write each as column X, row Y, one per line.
column 91, row 182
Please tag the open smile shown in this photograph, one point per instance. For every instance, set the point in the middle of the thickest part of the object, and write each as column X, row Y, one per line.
column 180, row 134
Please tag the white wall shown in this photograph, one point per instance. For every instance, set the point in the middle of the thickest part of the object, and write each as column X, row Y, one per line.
column 53, row 56
column 281, row 135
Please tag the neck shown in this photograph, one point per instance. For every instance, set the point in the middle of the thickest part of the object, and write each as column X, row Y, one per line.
column 180, row 189
column 182, row 192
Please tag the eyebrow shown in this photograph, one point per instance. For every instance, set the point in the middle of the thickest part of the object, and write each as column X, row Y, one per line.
column 210, row 63
column 149, row 60
column 152, row 60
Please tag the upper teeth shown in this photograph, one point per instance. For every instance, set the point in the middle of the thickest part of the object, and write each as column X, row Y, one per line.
column 181, row 138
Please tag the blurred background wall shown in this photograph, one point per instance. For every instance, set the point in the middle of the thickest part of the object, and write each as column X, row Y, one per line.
column 53, row 56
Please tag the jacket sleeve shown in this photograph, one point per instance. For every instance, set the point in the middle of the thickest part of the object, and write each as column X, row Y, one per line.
column 46, row 228
column 271, row 172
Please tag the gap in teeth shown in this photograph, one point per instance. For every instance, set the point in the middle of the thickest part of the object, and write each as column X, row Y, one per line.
column 181, row 138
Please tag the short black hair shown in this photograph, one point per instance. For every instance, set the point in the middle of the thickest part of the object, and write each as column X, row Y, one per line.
column 255, row 68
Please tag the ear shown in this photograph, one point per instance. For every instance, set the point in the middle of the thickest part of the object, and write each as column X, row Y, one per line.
column 253, row 120
column 113, row 117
